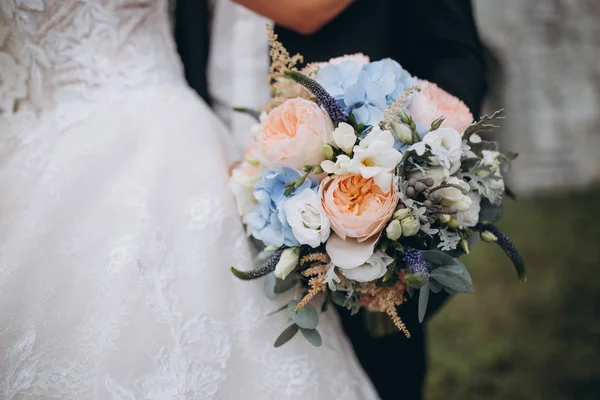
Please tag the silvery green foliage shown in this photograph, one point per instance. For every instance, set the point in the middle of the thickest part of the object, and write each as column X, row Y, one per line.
column 490, row 187
column 449, row 240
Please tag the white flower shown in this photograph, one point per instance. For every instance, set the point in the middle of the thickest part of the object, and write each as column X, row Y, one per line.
column 242, row 186
column 437, row 173
column 340, row 167
column 445, row 144
column 288, row 262
column 374, row 268
column 454, row 197
column 410, row 225
column 344, row 137
column 350, row 253
column 491, row 162
column 375, row 157
column 13, row 82
column 401, row 214
column 470, row 217
column 394, row 230
column 305, row 215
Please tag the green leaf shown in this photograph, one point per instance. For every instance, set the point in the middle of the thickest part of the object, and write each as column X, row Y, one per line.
column 490, row 212
column 280, row 309
column 454, row 278
column 510, row 193
column 437, row 258
column 282, row 286
column 391, row 271
column 423, row 300
column 270, row 281
column 286, row 335
column 248, row 111
column 313, row 336
column 306, row 317
column 415, row 281
column 338, row 298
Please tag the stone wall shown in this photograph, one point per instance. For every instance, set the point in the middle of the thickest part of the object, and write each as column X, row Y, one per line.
column 548, row 81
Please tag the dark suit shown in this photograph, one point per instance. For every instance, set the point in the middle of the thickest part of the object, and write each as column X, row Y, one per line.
column 433, row 39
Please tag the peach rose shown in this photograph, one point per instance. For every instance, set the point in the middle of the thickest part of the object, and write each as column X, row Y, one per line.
column 357, row 207
column 292, row 135
column 433, row 102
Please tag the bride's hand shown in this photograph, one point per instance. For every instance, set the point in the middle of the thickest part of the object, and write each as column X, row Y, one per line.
column 303, row 16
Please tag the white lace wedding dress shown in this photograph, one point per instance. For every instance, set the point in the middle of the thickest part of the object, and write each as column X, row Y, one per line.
column 117, row 230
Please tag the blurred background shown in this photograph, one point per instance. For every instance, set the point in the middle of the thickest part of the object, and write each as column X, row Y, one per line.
column 541, row 339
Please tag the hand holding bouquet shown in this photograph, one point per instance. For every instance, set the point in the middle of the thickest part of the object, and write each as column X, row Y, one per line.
column 367, row 184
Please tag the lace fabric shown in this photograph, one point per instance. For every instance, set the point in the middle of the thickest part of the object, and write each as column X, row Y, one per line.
column 117, row 229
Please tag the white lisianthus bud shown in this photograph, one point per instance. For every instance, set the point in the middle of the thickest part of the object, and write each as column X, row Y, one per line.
column 453, row 223
column 488, row 236
column 288, row 262
column 401, row 214
column 410, row 226
column 344, row 137
column 327, row 151
column 444, row 218
column 394, row 230
column 403, row 132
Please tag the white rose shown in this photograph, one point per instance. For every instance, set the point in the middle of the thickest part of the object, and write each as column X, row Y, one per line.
column 344, row 137
column 454, row 197
column 394, row 230
column 241, row 185
column 287, row 263
column 305, row 215
column 374, row 268
column 470, row 217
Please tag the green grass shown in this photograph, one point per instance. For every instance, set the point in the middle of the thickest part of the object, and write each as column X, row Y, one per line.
column 534, row 340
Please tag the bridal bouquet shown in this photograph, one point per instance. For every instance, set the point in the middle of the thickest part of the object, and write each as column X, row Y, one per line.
column 366, row 184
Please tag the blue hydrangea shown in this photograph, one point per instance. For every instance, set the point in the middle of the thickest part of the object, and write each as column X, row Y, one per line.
column 267, row 222
column 365, row 91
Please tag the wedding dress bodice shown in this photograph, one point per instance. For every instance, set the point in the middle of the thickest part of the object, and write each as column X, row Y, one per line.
column 54, row 53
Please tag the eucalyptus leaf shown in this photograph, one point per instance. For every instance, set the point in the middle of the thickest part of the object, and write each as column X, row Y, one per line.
column 280, row 309
column 437, row 258
column 313, row 336
column 286, row 335
column 282, row 286
column 306, row 317
column 270, row 281
column 435, row 287
column 423, row 300
column 455, row 277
